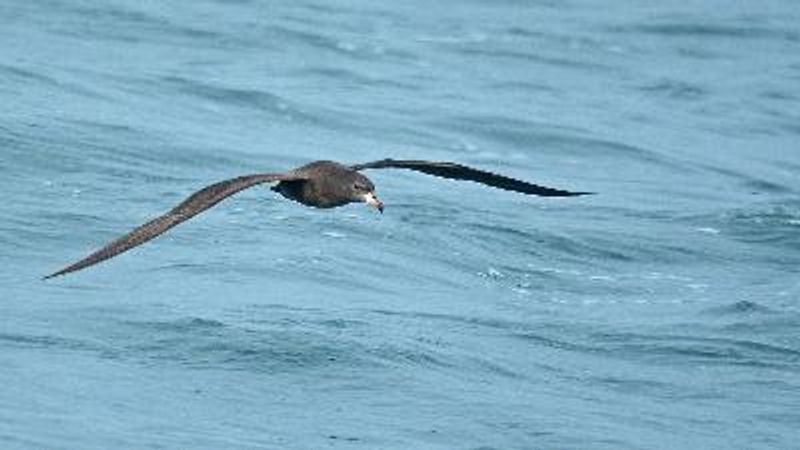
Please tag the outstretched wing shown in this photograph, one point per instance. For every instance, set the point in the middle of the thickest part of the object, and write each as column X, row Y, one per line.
column 192, row 206
column 459, row 172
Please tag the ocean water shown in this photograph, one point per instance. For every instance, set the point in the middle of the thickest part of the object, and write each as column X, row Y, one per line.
column 661, row 313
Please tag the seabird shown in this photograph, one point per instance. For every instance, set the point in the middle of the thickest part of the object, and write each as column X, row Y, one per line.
column 321, row 184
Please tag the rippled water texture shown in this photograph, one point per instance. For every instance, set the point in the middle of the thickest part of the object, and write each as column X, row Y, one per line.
column 661, row 313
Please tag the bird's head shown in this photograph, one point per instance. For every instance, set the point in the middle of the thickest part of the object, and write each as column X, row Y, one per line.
column 362, row 190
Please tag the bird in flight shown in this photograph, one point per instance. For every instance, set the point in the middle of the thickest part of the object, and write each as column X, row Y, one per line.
column 321, row 184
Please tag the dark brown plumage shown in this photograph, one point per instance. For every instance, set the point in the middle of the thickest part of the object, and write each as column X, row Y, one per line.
column 321, row 184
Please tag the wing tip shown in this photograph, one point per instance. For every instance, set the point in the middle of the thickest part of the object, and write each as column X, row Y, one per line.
column 69, row 269
column 53, row 275
column 59, row 273
column 551, row 192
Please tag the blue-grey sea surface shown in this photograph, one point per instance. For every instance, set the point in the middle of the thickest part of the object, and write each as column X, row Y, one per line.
column 660, row 313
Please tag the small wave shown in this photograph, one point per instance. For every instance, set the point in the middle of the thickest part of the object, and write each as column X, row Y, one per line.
column 342, row 75
column 180, row 325
column 774, row 225
column 539, row 339
column 742, row 307
column 707, row 30
column 466, row 321
column 526, row 56
column 359, row 50
column 526, row 134
column 131, row 25
column 409, row 355
column 675, row 89
column 250, row 98
column 49, row 342
column 272, row 346
column 674, row 348
column 26, row 75
column 755, row 184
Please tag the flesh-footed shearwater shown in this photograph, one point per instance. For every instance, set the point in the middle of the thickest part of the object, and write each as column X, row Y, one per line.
column 321, row 184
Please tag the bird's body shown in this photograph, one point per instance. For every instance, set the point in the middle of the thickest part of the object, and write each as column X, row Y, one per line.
column 321, row 184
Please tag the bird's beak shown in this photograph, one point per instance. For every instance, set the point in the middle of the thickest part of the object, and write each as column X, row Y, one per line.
column 373, row 201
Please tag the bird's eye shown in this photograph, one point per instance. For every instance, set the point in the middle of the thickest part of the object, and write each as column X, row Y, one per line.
column 358, row 187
